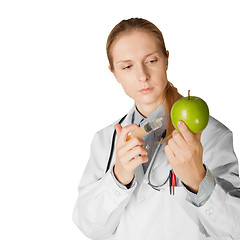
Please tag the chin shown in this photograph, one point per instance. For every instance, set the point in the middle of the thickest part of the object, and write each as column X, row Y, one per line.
column 149, row 103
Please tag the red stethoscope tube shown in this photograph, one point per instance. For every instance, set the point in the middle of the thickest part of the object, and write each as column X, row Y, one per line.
column 174, row 183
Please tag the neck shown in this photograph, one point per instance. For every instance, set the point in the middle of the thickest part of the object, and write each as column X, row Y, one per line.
column 147, row 109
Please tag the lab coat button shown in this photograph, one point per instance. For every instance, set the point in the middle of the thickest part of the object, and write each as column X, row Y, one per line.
column 117, row 193
column 209, row 211
column 142, row 198
column 147, row 147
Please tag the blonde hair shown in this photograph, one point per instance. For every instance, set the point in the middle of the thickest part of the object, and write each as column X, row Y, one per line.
column 130, row 25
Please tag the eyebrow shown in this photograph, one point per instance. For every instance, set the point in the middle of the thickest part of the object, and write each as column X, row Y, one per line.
column 144, row 57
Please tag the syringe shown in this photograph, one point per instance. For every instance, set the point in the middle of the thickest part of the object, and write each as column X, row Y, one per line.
column 146, row 128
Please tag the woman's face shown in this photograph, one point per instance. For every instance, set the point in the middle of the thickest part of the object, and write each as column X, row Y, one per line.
column 140, row 67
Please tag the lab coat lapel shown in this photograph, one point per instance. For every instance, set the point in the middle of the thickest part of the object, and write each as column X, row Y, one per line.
column 128, row 119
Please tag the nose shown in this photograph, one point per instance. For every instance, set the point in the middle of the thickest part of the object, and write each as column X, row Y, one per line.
column 142, row 73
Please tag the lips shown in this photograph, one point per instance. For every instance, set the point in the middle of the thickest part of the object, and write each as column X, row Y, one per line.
column 146, row 90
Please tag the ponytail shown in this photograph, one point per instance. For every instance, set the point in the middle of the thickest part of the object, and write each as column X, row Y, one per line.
column 172, row 95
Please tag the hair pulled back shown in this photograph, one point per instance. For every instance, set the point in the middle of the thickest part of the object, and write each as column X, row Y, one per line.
column 130, row 25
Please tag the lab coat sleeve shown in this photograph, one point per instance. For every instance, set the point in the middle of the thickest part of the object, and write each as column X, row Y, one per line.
column 100, row 203
column 220, row 215
column 131, row 184
column 205, row 190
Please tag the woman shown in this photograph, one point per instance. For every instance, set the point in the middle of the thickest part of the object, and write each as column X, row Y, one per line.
column 132, row 200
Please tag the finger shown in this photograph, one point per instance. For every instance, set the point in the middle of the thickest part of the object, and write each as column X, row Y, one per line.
column 186, row 133
column 135, row 152
column 170, row 155
column 179, row 140
column 137, row 161
column 126, row 130
column 118, row 128
column 176, row 149
column 134, row 142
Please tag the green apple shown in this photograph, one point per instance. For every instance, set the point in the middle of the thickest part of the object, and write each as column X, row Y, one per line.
column 193, row 111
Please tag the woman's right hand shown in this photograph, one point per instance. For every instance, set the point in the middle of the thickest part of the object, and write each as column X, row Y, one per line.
column 127, row 154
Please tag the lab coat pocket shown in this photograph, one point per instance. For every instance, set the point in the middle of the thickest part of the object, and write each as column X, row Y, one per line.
column 180, row 210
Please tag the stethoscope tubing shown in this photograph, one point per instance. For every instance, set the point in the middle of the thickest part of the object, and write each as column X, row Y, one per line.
column 156, row 187
column 112, row 146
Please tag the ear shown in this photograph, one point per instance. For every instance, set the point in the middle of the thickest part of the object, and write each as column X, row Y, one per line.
column 109, row 67
column 112, row 71
column 167, row 60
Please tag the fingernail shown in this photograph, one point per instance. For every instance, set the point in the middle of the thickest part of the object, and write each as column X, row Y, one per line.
column 174, row 132
column 180, row 123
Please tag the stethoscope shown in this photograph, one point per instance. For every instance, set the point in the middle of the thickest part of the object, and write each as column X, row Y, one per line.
column 171, row 176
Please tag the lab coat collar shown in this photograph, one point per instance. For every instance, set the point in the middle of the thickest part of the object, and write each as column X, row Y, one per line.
column 159, row 112
column 128, row 119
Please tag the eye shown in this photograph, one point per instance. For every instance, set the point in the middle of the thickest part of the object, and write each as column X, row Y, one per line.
column 127, row 67
column 152, row 61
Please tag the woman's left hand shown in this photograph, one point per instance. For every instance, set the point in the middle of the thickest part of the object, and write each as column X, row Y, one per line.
column 184, row 152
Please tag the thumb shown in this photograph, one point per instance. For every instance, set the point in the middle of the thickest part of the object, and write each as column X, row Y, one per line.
column 118, row 128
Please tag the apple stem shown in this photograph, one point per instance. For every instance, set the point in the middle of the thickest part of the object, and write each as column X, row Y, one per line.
column 188, row 94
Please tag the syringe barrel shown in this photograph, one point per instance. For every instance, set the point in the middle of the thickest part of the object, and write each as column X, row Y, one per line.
column 146, row 128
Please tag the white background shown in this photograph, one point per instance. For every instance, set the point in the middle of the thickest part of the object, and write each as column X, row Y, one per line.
column 56, row 92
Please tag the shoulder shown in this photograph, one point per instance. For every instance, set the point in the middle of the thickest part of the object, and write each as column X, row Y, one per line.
column 105, row 135
column 109, row 130
column 216, row 127
column 106, row 131
column 214, row 131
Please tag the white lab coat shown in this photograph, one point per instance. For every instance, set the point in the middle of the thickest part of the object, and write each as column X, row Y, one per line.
column 105, row 211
